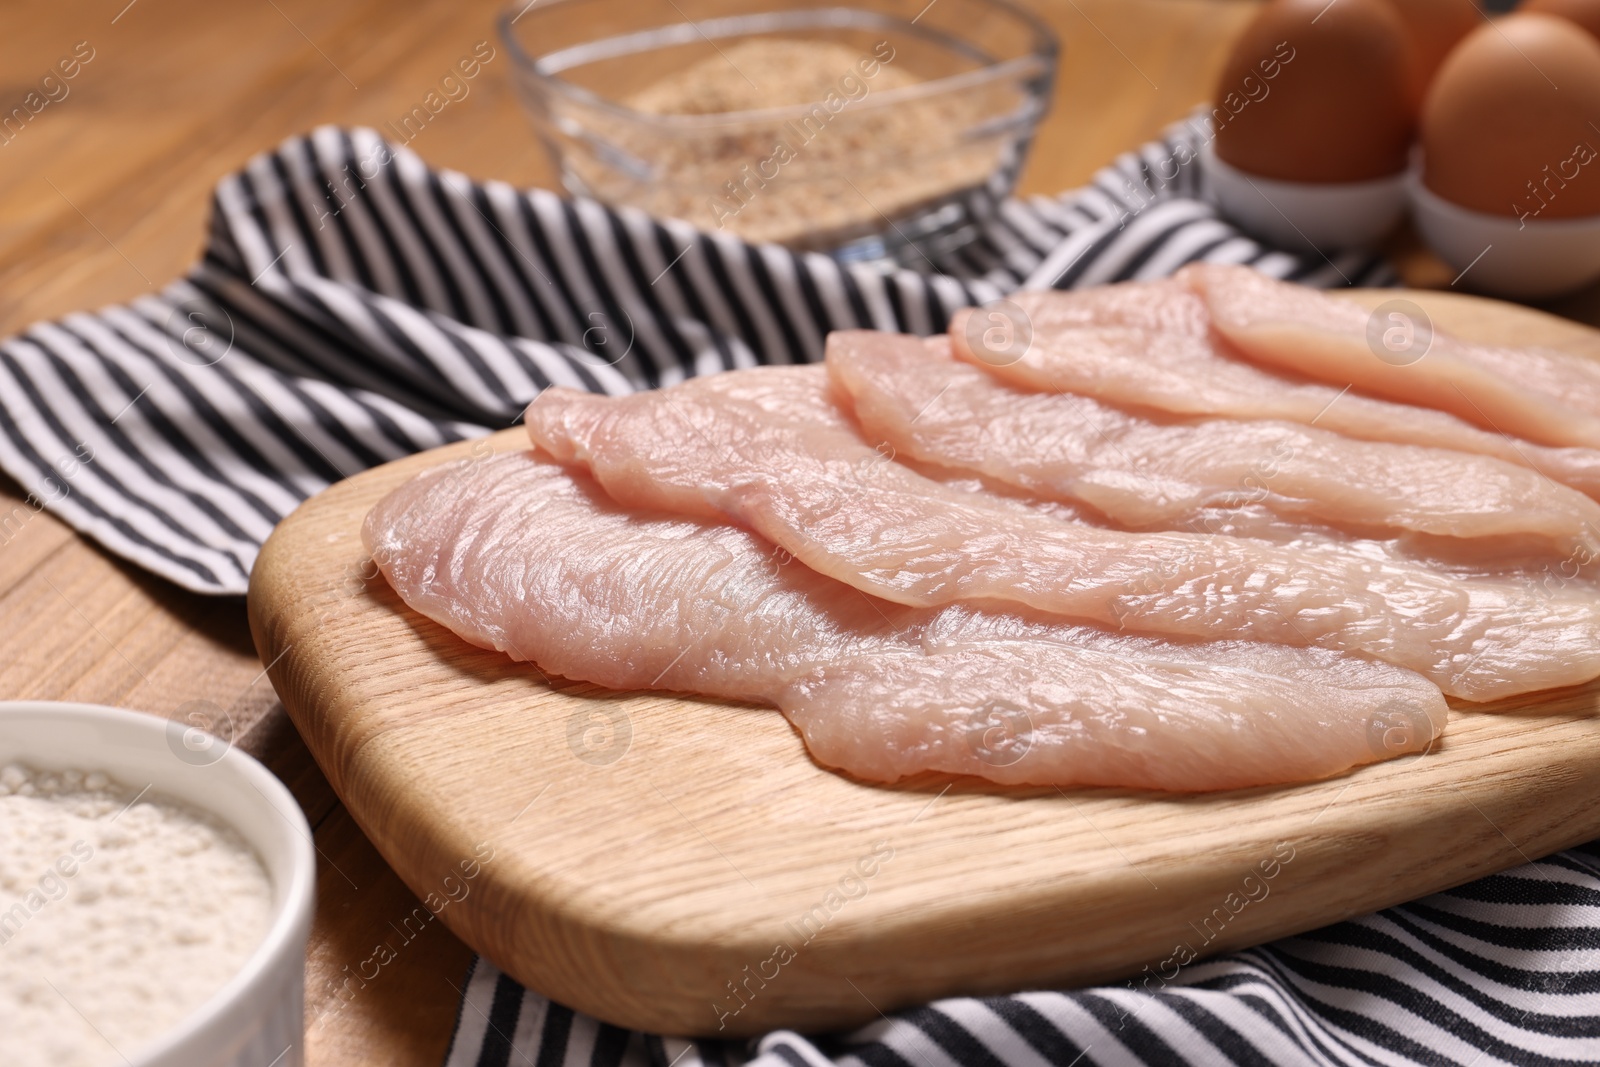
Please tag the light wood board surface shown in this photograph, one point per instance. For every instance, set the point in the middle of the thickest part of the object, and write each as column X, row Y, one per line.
column 105, row 196
column 681, row 865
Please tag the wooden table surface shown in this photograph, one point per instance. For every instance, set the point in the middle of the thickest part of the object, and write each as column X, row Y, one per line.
column 104, row 195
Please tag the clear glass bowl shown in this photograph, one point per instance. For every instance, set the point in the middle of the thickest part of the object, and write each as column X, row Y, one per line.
column 921, row 113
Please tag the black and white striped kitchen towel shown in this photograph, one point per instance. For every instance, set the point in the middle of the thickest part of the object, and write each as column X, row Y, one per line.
column 353, row 306
column 1504, row 972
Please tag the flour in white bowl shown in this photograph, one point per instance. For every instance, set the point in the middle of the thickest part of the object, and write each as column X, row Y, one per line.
column 120, row 914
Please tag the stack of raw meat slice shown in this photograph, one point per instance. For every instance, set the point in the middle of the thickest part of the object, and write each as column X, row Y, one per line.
column 1187, row 538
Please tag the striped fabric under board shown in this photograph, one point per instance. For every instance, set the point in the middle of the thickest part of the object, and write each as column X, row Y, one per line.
column 1503, row 972
column 353, row 306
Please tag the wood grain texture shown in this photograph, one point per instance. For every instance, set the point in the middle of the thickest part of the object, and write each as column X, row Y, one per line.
column 77, row 625
column 653, row 855
column 106, row 195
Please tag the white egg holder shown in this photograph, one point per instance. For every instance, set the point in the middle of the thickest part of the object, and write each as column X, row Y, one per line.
column 1524, row 259
column 1308, row 216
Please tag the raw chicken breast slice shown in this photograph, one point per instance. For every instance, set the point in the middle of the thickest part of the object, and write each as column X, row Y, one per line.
column 1149, row 344
column 527, row 557
column 519, row 554
column 1147, row 470
column 1026, row 713
column 1546, row 396
column 843, row 508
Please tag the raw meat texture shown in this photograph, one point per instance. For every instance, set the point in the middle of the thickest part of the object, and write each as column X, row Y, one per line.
column 1101, row 717
column 1146, row 470
column 1166, row 306
column 519, row 554
column 798, row 393
column 822, row 493
column 1149, row 344
column 1546, row 396
column 492, row 549
column 793, row 393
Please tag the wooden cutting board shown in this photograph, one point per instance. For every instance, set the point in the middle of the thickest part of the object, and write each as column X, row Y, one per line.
column 681, row 866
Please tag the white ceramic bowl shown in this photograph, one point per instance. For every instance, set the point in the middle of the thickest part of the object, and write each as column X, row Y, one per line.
column 258, row 1018
column 1328, row 217
column 1500, row 255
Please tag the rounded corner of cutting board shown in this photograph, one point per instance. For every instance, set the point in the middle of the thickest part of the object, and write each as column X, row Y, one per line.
column 312, row 571
column 655, row 890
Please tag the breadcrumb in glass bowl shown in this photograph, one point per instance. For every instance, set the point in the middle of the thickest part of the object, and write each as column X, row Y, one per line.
column 881, row 132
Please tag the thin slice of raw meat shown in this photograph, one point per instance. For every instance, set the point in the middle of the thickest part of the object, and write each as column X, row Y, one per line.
column 490, row 550
column 519, row 554
column 1148, row 344
column 822, row 493
column 1546, row 396
column 1035, row 713
column 1149, row 470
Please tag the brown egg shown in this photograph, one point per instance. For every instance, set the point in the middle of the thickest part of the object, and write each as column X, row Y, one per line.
column 1435, row 27
column 1511, row 124
column 1317, row 92
column 1585, row 13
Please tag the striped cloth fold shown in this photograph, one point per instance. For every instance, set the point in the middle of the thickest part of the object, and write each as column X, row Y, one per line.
column 353, row 306
column 1503, row 972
